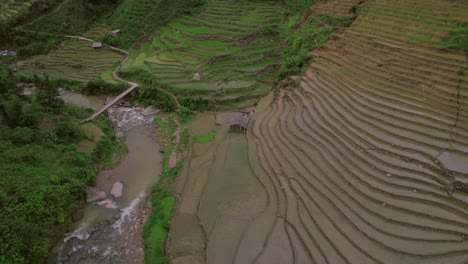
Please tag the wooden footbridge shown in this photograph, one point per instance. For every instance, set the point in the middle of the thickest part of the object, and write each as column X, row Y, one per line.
column 106, row 106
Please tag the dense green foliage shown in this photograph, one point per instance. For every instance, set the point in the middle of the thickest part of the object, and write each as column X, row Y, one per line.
column 109, row 150
column 94, row 87
column 99, row 86
column 156, row 236
column 72, row 16
column 458, row 39
column 21, row 11
column 42, row 173
column 197, row 103
column 148, row 95
column 302, row 34
column 29, row 43
column 151, row 93
column 295, row 6
column 141, row 76
column 136, row 18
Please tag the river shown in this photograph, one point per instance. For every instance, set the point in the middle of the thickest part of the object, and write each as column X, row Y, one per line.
column 110, row 229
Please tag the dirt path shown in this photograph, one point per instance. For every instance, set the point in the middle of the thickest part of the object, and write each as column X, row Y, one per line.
column 175, row 157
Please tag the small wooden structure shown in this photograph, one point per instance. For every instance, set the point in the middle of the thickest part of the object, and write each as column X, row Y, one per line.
column 115, row 32
column 240, row 121
column 97, row 45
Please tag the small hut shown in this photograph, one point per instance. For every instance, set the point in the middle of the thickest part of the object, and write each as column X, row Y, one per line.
column 97, row 45
column 115, row 32
column 239, row 122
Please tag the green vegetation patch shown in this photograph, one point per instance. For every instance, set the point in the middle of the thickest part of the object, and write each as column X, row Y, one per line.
column 205, row 139
column 302, row 34
column 72, row 17
column 295, row 6
column 16, row 11
column 457, row 39
column 156, row 236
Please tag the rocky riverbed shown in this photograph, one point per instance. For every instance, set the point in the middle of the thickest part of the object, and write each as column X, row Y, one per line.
column 110, row 230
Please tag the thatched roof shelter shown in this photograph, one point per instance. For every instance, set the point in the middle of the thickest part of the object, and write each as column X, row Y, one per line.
column 240, row 121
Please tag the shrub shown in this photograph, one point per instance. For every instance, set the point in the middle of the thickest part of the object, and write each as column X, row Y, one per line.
column 99, row 86
column 457, row 39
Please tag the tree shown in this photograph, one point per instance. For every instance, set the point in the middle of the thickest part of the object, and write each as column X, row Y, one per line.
column 47, row 94
column 11, row 106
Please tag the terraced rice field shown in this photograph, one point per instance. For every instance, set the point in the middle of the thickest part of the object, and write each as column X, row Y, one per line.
column 366, row 160
column 218, row 195
column 229, row 45
column 74, row 60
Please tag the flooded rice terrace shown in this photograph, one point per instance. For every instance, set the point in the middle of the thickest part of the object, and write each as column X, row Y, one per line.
column 110, row 230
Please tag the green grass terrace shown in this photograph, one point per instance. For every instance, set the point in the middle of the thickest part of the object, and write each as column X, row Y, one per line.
column 75, row 60
column 230, row 46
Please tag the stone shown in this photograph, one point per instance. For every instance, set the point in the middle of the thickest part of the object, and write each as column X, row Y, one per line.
column 453, row 161
column 196, row 76
column 117, row 189
column 150, row 110
column 108, row 204
column 119, row 134
column 94, row 194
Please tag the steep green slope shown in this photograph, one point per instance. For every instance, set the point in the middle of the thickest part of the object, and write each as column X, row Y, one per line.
column 136, row 18
column 72, row 16
column 17, row 11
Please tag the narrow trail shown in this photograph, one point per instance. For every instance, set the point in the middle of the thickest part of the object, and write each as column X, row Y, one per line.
column 133, row 85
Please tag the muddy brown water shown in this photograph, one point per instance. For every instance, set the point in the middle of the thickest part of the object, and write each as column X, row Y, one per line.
column 88, row 101
column 107, row 235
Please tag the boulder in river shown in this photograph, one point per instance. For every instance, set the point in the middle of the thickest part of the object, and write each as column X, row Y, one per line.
column 108, row 204
column 150, row 110
column 119, row 134
column 94, row 194
column 117, row 189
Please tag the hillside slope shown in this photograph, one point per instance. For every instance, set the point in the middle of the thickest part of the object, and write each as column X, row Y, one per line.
column 227, row 54
column 367, row 156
